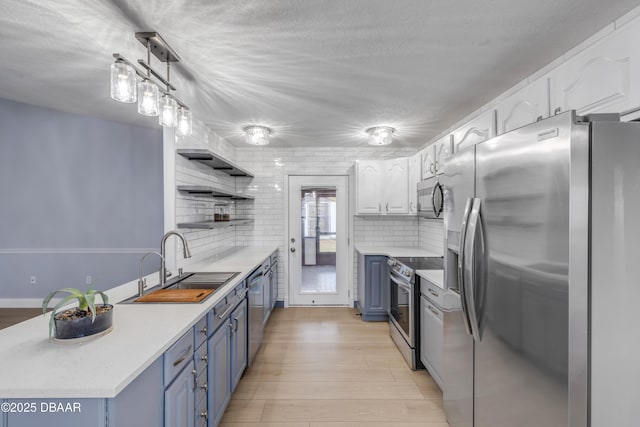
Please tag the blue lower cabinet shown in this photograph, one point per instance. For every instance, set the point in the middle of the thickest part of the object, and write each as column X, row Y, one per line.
column 373, row 287
column 238, row 343
column 219, row 372
column 179, row 399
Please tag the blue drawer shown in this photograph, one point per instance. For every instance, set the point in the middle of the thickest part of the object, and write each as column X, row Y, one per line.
column 178, row 356
column 201, row 358
column 201, row 413
column 218, row 315
column 200, row 332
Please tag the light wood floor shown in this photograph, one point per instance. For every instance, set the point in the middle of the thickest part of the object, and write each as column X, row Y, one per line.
column 11, row 316
column 324, row 367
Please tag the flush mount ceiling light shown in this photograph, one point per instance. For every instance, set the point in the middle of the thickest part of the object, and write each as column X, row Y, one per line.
column 380, row 135
column 257, row 135
column 153, row 99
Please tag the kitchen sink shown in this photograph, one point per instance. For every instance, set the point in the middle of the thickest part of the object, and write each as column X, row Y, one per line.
column 187, row 281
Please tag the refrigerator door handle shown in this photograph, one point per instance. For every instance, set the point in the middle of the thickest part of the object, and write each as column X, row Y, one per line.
column 471, row 283
column 461, row 263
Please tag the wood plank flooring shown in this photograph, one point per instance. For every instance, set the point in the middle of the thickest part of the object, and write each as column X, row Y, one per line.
column 324, row 367
column 11, row 316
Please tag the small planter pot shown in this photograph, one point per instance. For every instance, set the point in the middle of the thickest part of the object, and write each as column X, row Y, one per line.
column 68, row 330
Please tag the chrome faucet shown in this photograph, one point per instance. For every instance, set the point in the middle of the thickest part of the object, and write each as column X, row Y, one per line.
column 185, row 251
column 142, row 283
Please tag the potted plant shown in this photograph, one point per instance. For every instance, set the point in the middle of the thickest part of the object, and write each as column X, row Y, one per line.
column 87, row 319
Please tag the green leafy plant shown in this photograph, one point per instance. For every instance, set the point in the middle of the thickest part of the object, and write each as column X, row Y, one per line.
column 86, row 302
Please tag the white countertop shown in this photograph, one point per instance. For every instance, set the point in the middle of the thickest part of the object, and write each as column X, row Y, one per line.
column 395, row 251
column 34, row 367
column 434, row 276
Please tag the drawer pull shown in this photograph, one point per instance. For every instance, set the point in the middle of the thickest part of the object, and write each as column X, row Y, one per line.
column 204, row 330
column 226, row 311
column 205, row 387
column 434, row 311
column 186, row 354
column 204, row 415
column 205, row 358
column 432, row 292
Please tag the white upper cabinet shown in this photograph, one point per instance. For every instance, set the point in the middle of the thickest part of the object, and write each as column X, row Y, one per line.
column 477, row 130
column 382, row 187
column 442, row 148
column 603, row 78
column 368, row 191
column 434, row 155
column 428, row 162
column 396, row 186
column 414, row 178
column 526, row 106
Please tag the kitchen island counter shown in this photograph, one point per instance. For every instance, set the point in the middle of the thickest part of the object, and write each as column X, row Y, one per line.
column 35, row 367
column 394, row 251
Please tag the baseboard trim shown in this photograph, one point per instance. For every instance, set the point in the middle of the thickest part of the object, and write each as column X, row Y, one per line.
column 25, row 302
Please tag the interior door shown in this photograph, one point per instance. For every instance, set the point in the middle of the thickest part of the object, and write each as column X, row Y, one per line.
column 317, row 240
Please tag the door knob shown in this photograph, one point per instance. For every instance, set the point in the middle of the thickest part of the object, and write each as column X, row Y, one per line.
column 293, row 250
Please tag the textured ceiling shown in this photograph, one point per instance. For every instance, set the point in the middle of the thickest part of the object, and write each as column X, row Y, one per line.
column 318, row 72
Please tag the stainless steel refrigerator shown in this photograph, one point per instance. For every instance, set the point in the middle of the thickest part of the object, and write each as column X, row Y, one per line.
column 542, row 239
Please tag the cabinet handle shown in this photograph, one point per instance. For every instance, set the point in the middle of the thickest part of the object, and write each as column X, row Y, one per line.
column 184, row 356
column 204, row 330
column 435, row 294
column 195, row 379
column 205, row 387
column 433, row 311
column 539, row 118
column 411, row 206
column 204, row 415
column 235, row 320
column 205, row 358
column 226, row 311
column 431, row 168
column 436, row 167
column 387, row 207
column 557, row 111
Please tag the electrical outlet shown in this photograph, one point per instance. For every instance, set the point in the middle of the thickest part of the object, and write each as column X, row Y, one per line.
column 88, row 280
column 33, row 280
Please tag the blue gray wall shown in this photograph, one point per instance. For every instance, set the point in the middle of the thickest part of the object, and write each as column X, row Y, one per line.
column 78, row 196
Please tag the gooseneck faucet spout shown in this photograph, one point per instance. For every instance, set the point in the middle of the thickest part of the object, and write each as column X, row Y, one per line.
column 163, row 243
column 143, row 282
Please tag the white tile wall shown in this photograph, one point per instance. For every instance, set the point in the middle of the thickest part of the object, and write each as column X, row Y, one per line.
column 271, row 165
column 431, row 235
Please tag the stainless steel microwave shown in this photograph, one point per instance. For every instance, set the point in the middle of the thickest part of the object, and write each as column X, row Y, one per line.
column 430, row 198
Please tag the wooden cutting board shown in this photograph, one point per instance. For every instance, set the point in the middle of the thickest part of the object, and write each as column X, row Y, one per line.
column 176, row 295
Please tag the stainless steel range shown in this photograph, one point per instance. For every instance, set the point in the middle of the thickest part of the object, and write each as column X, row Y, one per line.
column 404, row 309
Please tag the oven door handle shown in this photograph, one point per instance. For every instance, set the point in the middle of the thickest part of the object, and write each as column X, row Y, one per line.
column 403, row 285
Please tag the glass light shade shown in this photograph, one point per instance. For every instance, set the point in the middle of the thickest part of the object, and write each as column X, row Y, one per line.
column 257, row 135
column 184, row 122
column 380, row 135
column 123, row 83
column 148, row 98
column 168, row 111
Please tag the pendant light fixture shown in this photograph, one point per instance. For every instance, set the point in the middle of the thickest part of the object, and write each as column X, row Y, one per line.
column 380, row 135
column 257, row 135
column 123, row 83
column 152, row 99
column 184, row 121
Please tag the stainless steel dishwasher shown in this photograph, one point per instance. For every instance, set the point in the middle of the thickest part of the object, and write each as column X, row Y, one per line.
column 256, row 309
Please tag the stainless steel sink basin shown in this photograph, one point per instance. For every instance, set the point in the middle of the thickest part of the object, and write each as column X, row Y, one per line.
column 203, row 281
column 189, row 281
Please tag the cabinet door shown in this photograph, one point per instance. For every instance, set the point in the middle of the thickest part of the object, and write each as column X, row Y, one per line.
column 477, row 130
column 219, row 372
column 442, row 148
column 396, row 186
column 179, row 402
column 414, row 178
column 376, row 285
column 428, row 162
column 605, row 77
column 526, row 106
column 431, row 345
column 368, row 186
column 238, row 343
